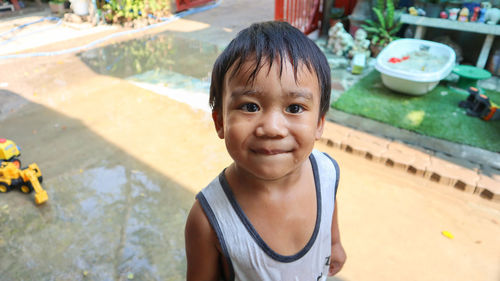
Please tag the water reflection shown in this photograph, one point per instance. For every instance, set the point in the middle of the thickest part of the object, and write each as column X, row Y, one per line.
column 159, row 53
column 109, row 222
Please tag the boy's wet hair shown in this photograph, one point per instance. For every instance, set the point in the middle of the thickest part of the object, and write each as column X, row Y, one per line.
column 264, row 43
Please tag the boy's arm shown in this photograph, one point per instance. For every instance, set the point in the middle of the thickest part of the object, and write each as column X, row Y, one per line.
column 338, row 256
column 201, row 250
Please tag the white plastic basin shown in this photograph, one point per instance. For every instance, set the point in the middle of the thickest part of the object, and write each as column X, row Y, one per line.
column 413, row 81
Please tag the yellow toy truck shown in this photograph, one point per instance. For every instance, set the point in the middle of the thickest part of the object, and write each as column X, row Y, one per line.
column 13, row 176
column 9, row 152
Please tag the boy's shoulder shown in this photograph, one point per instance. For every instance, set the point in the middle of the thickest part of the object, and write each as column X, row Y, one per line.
column 323, row 156
column 327, row 167
column 202, row 246
column 198, row 223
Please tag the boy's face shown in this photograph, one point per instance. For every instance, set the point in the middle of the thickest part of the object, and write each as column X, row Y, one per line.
column 270, row 126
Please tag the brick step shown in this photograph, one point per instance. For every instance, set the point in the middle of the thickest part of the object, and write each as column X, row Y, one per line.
column 438, row 167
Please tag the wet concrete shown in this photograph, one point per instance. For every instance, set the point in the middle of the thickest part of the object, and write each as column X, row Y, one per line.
column 118, row 196
column 122, row 164
column 107, row 212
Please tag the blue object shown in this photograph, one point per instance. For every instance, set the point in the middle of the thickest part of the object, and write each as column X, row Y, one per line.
column 482, row 14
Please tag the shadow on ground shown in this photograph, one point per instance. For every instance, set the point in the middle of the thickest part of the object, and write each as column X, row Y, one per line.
column 109, row 216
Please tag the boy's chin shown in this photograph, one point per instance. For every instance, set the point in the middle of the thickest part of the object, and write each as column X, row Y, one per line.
column 266, row 173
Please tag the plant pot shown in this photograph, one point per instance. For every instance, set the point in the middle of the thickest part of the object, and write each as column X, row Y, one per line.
column 376, row 49
column 80, row 7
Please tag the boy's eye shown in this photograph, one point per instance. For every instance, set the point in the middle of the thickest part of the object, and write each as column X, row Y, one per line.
column 294, row 108
column 250, row 107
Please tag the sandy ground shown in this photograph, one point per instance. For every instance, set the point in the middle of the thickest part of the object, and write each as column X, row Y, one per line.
column 66, row 117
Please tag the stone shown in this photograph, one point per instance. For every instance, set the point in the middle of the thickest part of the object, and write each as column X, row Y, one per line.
column 128, row 24
column 339, row 40
column 399, row 155
column 488, row 185
column 366, row 145
column 422, row 161
column 361, row 44
column 70, row 17
column 446, row 170
column 140, row 23
column 336, row 135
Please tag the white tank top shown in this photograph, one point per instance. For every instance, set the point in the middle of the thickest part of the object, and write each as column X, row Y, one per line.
column 248, row 256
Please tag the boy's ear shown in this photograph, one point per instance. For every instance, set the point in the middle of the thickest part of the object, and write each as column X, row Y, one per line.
column 219, row 126
column 320, row 127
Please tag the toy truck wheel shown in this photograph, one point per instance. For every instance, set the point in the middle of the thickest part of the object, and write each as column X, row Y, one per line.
column 17, row 162
column 28, row 188
column 5, row 187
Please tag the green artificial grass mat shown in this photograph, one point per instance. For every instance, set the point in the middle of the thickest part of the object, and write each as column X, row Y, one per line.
column 434, row 114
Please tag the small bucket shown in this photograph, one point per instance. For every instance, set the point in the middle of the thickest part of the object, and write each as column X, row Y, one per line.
column 80, row 7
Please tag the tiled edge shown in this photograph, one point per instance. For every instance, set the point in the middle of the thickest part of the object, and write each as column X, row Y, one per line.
column 488, row 185
column 438, row 167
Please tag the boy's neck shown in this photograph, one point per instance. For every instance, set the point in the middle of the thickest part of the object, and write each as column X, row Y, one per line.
column 240, row 179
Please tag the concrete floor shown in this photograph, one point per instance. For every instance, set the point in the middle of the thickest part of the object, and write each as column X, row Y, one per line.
column 118, row 164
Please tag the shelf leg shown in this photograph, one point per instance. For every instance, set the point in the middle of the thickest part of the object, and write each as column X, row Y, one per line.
column 485, row 50
column 420, row 32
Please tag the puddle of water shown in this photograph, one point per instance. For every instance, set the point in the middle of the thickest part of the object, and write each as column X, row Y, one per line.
column 158, row 53
column 105, row 223
column 168, row 65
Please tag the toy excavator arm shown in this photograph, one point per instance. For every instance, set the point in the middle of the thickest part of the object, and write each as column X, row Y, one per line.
column 30, row 176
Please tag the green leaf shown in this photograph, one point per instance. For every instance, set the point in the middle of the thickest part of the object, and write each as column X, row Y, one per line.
column 371, row 23
column 380, row 17
column 370, row 29
column 380, row 5
column 384, row 33
column 396, row 28
column 389, row 16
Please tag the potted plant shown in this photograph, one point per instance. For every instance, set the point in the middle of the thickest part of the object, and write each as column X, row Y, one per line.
column 382, row 30
column 57, row 6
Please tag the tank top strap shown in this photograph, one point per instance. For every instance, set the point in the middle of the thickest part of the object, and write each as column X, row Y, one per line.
column 248, row 256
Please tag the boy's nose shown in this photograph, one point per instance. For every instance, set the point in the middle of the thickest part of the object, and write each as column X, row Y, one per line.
column 272, row 124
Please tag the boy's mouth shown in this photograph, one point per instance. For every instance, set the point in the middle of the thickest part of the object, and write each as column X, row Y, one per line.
column 266, row 151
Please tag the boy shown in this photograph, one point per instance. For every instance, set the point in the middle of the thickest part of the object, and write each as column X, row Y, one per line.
column 270, row 215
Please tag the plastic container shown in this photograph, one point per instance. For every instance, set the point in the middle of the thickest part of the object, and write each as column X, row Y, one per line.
column 80, row 7
column 413, row 82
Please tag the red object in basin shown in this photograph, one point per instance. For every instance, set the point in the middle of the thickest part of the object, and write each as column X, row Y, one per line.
column 394, row 60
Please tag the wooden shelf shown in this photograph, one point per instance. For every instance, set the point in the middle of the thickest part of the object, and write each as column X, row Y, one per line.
column 490, row 30
column 451, row 24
